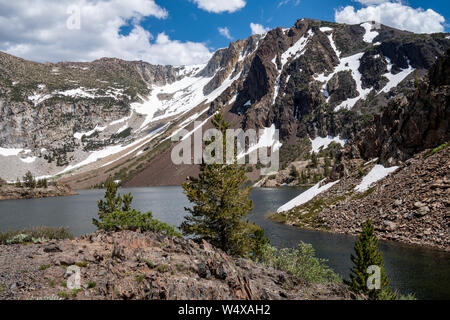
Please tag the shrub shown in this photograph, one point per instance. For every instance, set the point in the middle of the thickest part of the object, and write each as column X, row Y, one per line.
column 300, row 262
column 115, row 214
column 42, row 183
column 162, row 268
column 92, row 284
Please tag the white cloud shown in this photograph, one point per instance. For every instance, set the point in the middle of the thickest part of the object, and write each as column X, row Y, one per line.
column 37, row 30
column 226, row 33
column 393, row 14
column 218, row 6
column 258, row 29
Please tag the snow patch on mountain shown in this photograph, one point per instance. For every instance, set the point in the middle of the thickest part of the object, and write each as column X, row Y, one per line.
column 306, row 196
column 376, row 174
column 268, row 139
column 79, row 135
column 370, row 35
column 351, row 64
column 320, row 143
column 395, row 79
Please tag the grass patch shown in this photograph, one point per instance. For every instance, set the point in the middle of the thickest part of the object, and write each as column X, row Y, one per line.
column 63, row 295
column 92, row 284
column 149, row 263
column 44, row 267
column 436, row 150
column 140, row 278
column 305, row 216
column 300, row 262
column 75, row 292
column 30, row 235
column 363, row 195
column 162, row 268
column 82, row 264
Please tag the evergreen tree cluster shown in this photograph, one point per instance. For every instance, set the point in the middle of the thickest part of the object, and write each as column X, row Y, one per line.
column 115, row 214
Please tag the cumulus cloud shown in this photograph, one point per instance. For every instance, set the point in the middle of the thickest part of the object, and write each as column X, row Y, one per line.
column 393, row 14
column 46, row 30
column 218, row 6
column 258, row 28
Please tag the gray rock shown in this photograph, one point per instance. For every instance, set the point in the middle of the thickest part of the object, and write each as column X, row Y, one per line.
column 390, row 226
column 398, row 203
column 423, row 211
column 419, row 205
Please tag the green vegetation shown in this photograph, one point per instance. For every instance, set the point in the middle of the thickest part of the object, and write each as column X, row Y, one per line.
column 115, row 213
column 44, row 267
column 367, row 255
column 436, row 150
column 91, row 284
column 82, row 264
column 162, row 268
column 34, row 234
column 140, row 278
column 220, row 203
column 29, row 181
column 300, row 262
column 149, row 263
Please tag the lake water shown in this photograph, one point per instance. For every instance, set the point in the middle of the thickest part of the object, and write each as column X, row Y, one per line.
column 423, row 271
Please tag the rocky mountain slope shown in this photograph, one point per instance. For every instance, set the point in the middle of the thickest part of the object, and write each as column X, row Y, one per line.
column 89, row 121
column 395, row 172
column 128, row 265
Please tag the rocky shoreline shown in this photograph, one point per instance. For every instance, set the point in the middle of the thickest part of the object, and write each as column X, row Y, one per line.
column 9, row 192
column 410, row 206
column 128, row 265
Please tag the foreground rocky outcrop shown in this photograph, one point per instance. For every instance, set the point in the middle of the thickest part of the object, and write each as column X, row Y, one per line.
column 129, row 265
column 10, row 192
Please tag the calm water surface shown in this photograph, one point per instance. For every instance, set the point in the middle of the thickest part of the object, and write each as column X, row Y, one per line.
column 422, row 271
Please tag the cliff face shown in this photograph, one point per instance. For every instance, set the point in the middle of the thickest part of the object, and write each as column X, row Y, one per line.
column 312, row 80
column 413, row 121
column 129, row 265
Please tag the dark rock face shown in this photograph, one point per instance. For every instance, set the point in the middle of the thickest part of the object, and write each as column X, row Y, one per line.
column 341, row 87
column 411, row 122
column 372, row 68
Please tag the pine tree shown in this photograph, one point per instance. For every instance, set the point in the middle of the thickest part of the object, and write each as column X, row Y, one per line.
column 29, row 180
column 113, row 202
column 220, row 203
column 366, row 255
column 294, row 173
column 314, row 160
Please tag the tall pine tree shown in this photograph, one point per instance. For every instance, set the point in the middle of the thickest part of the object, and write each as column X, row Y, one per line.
column 366, row 255
column 220, row 204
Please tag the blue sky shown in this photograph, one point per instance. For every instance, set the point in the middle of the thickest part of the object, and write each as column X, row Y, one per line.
column 187, row 22
column 181, row 32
